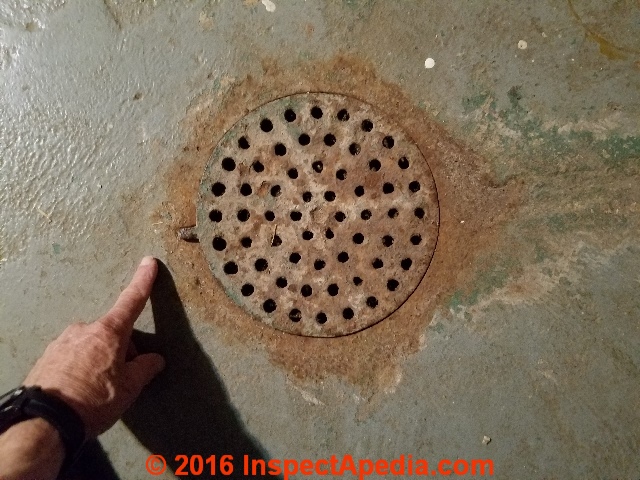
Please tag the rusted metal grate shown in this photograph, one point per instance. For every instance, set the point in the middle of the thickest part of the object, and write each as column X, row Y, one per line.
column 317, row 215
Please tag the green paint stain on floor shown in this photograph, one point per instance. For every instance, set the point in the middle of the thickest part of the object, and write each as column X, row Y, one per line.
column 541, row 254
column 456, row 300
column 618, row 150
column 592, row 220
column 438, row 327
column 547, row 145
column 493, row 276
column 56, row 248
column 474, row 102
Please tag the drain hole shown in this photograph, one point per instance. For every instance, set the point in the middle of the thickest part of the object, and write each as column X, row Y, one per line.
column 228, row 164
column 392, row 285
column 230, row 268
column 306, row 196
column 277, row 241
column 416, row 239
column 393, row 212
column 243, row 143
column 333, row 289
column 317, row 166
column 307, row 235
column 403, row 163
column 358, row 238
column 289, row 115
column 387, row 142
column 266, row 125
column 269, row 215
column 295, row 216
column 247, row 289
column 414, row 186
column 261, row 265
column 406, row 264
column 219, row 243
column 218, row 189
column 275, row 190
column 387, row 188
column 243, row 215
column 343, row 115
column 343, row 257
column 306, row 290
column 215, row 216
column 293, row 173
column 245, row 189
column 281, row 282
column 321, row 318
column 329, row 233
column 280, row 149
column 367, row 125
column 419, row 212
column 372, row 302
column 359, row 191
column 387, row 240
column 365, row 214
column 374, row 165
column 269, row 306
column 329, row 140
column 304, row 139
column 357, row 281
column 319, row 264
column 294, row 257
column 377, row 263
column 258, row 166
column 246, row 242
column 329, row 196
column 295, row 315
column 316, row 112
column 347, row 313
column 341, row 174
column 339, row 216
column 354, row 149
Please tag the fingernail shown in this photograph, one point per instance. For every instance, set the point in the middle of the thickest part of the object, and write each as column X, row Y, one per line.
column 146, row 261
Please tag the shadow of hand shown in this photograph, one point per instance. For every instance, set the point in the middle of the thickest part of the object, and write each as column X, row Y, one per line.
column 92, row 463
column 185, row 410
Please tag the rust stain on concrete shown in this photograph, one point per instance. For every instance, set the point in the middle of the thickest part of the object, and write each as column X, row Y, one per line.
column 611, row 49
column 474, row 207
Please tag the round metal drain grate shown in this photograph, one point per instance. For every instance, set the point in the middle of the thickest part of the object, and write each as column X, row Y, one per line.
column 318, row 215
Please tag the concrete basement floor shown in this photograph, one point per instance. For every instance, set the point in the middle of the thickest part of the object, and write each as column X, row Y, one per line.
column 526, row 327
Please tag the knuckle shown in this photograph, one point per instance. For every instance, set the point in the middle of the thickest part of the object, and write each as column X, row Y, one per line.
column 74, row 329
column 108, row 326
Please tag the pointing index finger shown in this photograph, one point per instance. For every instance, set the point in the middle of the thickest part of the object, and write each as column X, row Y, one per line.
column 132, row 300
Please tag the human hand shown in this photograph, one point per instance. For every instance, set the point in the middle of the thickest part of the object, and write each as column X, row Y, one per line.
column 95, row 367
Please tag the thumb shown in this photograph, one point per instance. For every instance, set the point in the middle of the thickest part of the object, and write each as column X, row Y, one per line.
column 142, row 369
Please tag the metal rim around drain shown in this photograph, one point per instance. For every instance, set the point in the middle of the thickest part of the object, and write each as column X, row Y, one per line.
column 317, row 215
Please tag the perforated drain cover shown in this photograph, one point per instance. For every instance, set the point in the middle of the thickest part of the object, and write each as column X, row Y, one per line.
column 318, row 215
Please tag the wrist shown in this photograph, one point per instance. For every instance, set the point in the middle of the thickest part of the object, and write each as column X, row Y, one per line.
column 57, row 421
column 32, row 448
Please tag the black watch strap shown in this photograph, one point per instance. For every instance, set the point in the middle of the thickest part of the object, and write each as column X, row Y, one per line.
column 31, row 402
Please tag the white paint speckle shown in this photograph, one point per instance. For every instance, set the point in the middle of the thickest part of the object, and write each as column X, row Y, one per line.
column 429, row 63
column 269, row 5
column 522, row 45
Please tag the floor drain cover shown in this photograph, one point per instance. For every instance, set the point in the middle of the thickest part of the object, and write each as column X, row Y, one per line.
column 318, row 215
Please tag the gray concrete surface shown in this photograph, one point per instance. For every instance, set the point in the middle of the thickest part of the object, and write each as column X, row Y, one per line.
column 526, row 328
